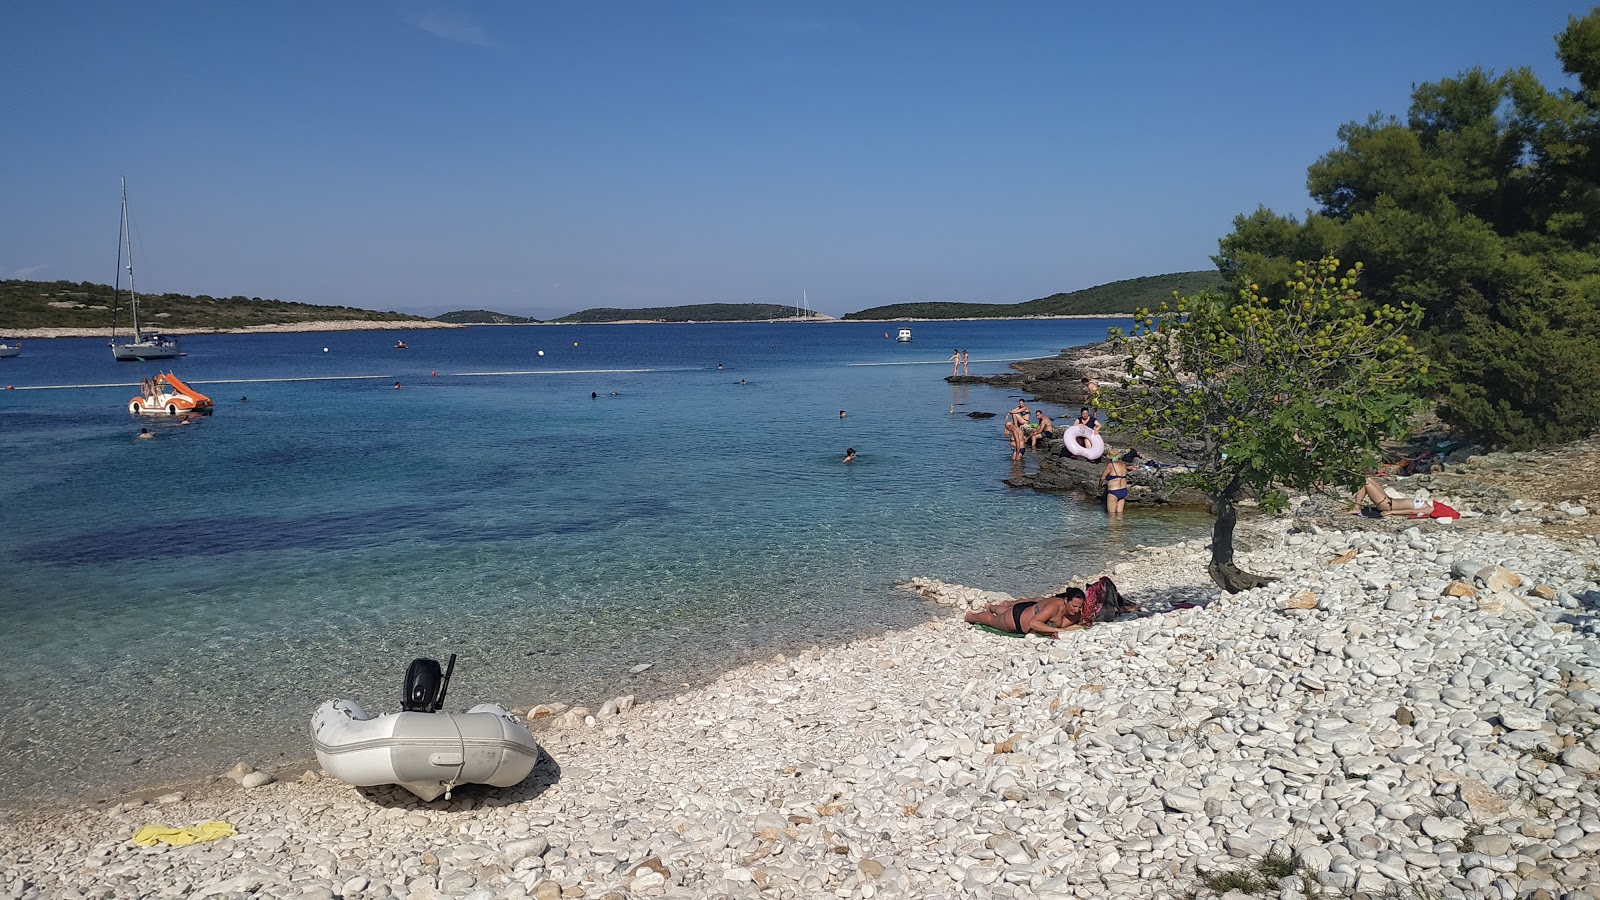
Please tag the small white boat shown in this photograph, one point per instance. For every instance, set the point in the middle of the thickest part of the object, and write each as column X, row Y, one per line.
column 421, row 749
column 9, row 350
column 904, row 336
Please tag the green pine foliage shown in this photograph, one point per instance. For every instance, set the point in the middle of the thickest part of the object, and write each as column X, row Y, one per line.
column 1482, row 208
column 72, row 304
column 1117, row 298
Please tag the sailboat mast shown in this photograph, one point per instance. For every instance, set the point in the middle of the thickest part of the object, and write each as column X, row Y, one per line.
column 127, row 233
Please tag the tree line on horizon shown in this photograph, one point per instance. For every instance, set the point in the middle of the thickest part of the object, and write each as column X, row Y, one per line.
column 84, row 304
column 71, row 304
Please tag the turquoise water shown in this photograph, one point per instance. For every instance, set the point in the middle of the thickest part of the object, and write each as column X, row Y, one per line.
column 175, row 604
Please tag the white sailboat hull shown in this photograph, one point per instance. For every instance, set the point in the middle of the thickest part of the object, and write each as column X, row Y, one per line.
column 425, row 753
column 144, row 351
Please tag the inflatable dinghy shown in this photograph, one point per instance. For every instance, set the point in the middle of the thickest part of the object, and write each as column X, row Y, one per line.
column 421, row 749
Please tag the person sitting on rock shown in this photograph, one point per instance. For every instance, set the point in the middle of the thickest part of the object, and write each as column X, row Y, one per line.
column 1042, row 427
column 1385, row 505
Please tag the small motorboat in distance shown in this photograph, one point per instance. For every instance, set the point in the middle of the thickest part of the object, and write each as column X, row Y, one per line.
column 401, row 345
column 421, row 749
column 9, row 350
column 905, row 336
column 165, row 395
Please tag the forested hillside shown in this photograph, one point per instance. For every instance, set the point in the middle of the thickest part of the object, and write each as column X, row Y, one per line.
column 1115, row 298
column 484, row 317
column 69, row 304
column 698, row 312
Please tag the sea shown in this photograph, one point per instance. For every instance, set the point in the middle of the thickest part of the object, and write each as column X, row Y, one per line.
column 575, row 512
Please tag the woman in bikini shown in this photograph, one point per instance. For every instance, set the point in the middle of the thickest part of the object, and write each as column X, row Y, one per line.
column 1016, row 433
column 1116, row 478
column 1385, row 505
column 1030, row 615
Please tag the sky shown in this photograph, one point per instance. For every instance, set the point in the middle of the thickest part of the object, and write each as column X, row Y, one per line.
column 539, row 158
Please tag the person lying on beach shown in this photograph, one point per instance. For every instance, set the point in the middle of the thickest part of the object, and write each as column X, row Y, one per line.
column 1030, row 615
column 1385, row 505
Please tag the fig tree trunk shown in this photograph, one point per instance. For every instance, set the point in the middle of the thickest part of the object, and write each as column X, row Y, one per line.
column 1222, row 570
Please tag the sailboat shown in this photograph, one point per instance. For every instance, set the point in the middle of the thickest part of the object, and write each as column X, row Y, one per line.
column 145, row 345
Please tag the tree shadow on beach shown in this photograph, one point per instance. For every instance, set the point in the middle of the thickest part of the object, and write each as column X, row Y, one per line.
column 468, row 797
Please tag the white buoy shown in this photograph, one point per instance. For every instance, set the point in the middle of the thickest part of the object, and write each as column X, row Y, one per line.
column 324, row 349
column 541, row 352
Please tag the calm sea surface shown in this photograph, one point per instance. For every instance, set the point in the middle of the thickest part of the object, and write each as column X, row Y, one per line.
column 173, row 605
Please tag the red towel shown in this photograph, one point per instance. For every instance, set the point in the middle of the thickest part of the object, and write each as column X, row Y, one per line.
column 1441, row 511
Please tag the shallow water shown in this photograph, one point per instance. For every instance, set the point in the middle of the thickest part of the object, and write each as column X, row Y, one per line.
column 176, row 604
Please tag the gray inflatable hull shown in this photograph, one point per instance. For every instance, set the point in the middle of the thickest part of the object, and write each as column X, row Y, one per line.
column 425, row 753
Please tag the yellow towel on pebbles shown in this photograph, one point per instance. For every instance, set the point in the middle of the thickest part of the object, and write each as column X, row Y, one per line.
column 149, row 835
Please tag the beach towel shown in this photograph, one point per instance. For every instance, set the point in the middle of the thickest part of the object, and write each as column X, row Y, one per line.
column 1440, row 511
column 1003, row 633
column 150, row 835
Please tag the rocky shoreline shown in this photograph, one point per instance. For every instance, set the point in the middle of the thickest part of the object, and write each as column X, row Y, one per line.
column 1412, row 707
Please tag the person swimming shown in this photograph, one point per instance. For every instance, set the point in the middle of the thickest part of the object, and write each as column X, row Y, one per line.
column 850, row 454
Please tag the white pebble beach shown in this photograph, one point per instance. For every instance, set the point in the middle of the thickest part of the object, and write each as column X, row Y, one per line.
column 1414, row 708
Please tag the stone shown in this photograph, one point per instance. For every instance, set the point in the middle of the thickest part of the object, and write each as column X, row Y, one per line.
column 546, row 710
column 1520, row 718
column 1582, row 759
column 1499, row 578
column 1301, row 600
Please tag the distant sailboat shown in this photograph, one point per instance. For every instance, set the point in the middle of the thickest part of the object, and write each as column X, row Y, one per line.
column 145, row 345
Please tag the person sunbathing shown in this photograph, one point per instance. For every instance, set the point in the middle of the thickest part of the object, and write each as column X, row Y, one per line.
column 1385, row 505
column 1030, row 615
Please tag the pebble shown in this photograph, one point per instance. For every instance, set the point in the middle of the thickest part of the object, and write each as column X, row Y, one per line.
column 1398, row 735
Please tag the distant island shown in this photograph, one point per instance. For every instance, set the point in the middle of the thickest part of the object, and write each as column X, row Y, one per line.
column 69, row 307
column 82, row 306
column 697, row 312
column 484, row 317
column 1118, row 298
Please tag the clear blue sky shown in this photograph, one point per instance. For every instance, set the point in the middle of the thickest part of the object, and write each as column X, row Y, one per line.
column 543, row 157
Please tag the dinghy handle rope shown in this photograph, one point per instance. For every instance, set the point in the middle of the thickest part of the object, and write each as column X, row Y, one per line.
column 461, row 741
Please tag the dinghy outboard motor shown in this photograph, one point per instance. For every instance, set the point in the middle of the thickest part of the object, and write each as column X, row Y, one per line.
column 426, row 685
